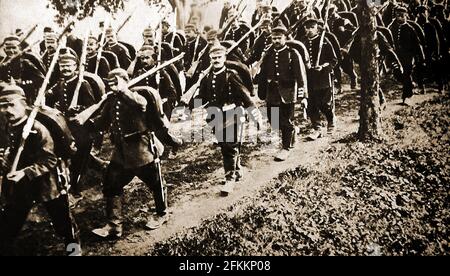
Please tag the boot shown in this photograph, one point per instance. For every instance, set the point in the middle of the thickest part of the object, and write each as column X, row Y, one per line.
column 282, row 155
column 114, row 214
column 228, row 188
column 157, row 221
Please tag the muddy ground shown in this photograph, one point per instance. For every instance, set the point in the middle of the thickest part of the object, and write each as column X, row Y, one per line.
column 334, row 196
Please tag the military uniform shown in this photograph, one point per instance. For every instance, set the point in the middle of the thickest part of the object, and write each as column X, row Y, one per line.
column 40, row 184
column 220, row 89
column 409, row 50
column 262, row 44
column 236, row 32
column 281, row 82
column 103, row 66
column 130, row 120
column 192, row 50
column 320, row 84
column 22, row 70
column 60, row 97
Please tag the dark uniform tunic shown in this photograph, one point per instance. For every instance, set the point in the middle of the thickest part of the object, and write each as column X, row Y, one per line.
column 40, row 184
column 320, row 85
column 130, row 122
column 103, row 66
column 60, row 97
column 122, row 54
column 235, row 33
column 220, row 89
column 192, row 50
column 279, row 81
column 262, row 44
column 409, row 50
column 26, row 75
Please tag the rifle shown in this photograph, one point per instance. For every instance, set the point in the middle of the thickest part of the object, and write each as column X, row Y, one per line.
column 82, row 68
column 125, row 21
column 19, row 54
column 100, row 49
column 25, row 37
column 195, row 64
column 38, row 102
column 85, row 115
column 157, row 162
column 186, row 98
column 322, row 37
column 225, row 29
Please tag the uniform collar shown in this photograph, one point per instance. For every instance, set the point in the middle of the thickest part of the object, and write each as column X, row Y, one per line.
column 220, row 71
column 280, row 50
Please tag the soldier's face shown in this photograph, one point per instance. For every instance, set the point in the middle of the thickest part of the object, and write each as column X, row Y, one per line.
column 147, row 58
column 190, row 33
column 111, row 38
column 218, row 60
column 149, row 38
column 14, row 110
column 12, row 49
column 92, row 46
column 68, row 69
column 165, row 28
column 212, row 40
column 311, row 30
column 401, row 17
column 278, row 40
column 51, row 46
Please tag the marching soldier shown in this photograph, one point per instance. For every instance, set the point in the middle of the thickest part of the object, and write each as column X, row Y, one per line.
column 172, row 38
column 22, row 70
column 320, row 84
column 102, row 68
column 147, row 61
column 51, row 44
column 408, row 49
column 262, row 42
column 225, row 92
column 194, row 45
column 112, row 45
column 432, row 44
column 237, row 30
column 281, row 84
column 130, row 116
column 60, row 97
column 37, row 177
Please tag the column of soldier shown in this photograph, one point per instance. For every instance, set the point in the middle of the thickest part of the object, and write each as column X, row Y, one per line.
column 58, row 104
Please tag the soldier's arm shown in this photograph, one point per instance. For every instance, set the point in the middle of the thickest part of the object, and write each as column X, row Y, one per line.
column 298, row 67
column 262, row 80
column 46, row 158
column 329, row 56
column 168, row 86
column 240, row 91
column 86, row 98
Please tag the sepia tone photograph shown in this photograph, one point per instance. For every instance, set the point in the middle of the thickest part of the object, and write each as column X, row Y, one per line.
column 231, row 128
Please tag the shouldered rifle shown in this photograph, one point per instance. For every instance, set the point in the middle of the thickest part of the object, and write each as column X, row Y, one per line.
column 157, row 161
column 38, row 102
column 26, row 36
column 100, row 49
column 85, row 115
column 125, row 21
column 222, row 33
column 322, row 37
column 82, row 68
column 186, row 98
column 195, row 63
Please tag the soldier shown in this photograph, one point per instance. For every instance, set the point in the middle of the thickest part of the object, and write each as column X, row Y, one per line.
column 112, row 45
column 36, row 179
column 408, row 49
column 225, row 92
column 343, row 29
column 20, row 69
column 320, row 85
column 130, row 116
column 281, row 84
column 262, row 43
column 432, row 44
column 60, row 97
column 172, row 38
column 51, row 44
column 103, row 67
column 147, row 61
column 42, row 46
column 237, row 30
column 194, row 45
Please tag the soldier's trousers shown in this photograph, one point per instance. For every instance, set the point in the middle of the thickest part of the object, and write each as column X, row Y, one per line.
column 286, row 122
column 118, row 177
column 79, row 166
column 407, row 81
column 231, row 160
column 348, row 67
column 15, row 214
column 321, row 100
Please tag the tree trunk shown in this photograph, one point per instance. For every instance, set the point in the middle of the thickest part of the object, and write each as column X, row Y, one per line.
column 370, row 111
